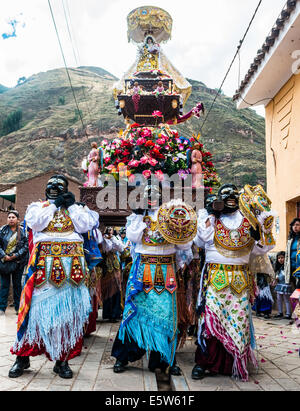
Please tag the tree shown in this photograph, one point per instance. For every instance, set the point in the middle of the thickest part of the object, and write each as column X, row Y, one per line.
column 61, row 100
column 21, row 81
column 12, row 122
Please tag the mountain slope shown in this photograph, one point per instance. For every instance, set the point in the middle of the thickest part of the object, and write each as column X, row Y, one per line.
column 52, row 134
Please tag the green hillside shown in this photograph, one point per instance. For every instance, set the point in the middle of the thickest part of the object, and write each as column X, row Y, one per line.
column 52, row 135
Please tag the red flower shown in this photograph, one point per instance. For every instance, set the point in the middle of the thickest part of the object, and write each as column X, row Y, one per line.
column 149, row 144
column 208, row 154
column 135, row 125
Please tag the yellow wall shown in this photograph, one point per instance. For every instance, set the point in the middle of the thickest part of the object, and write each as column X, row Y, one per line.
column 283, row 155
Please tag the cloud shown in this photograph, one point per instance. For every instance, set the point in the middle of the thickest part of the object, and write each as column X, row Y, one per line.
column 204, row 38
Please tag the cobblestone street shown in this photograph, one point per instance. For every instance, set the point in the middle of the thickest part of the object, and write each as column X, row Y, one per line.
column 277, row 351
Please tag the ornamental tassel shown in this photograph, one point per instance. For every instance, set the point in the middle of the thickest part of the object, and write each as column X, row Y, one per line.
column 147, row 279
column 182, row 310
column 171, row 285
column 159, row 281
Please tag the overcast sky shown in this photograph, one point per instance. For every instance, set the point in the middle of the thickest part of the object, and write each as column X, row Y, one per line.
column 204, row 38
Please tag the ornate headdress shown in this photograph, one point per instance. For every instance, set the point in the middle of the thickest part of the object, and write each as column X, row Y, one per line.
column 177, row 222
column 255, row 205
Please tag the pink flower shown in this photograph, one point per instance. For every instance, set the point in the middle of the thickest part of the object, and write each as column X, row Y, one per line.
column 147, row 174
column 157, row 113
column 131, row 178
column 262, row 360
column 133, row 163
column 107, row 160
column 141, row 141
column 110, row 167
column 152, row 162
column 159, row 175
column 161, row 141
column 144, row 160
column 181, row 147
column 146, row 132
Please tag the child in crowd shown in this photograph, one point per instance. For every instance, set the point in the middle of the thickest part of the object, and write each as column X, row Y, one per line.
column 282, row 289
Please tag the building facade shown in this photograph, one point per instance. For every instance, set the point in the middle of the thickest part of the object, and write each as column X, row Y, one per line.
column 274, row 81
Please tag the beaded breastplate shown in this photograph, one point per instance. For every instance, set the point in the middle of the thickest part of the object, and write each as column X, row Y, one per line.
column 152, row 236
column 233, row 243
column 60, row 225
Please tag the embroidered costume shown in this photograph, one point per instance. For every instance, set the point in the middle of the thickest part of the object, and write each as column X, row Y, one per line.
column 150, row 320
column 55, row 302
column 111, row 278
column 227, row 289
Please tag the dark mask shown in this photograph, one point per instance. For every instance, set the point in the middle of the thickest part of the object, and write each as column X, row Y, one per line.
column 56, row 186
column 209, row 203
column 229, row 195
column 152, row 195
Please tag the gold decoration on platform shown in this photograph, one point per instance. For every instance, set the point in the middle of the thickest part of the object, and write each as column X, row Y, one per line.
column 149, row 19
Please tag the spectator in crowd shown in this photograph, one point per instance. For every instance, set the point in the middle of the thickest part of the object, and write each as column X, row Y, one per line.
column 282, row 289
column 264, row 300
column 292, row 256
column 13, row 258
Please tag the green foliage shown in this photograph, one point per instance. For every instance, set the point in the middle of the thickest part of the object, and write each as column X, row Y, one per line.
column 77, row 115
column 61, row 100
column 227, row 130
column 3, row 89
column 249, row 179
column 21, row 81
column 12, row 122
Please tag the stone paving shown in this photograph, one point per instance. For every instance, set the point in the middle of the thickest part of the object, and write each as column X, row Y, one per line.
column 277, row 351
column 278, row 362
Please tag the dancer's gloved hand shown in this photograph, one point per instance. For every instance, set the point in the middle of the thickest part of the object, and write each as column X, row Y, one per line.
column 255, row 234
column 69, row 199
column 139, row 211
column 59, row 201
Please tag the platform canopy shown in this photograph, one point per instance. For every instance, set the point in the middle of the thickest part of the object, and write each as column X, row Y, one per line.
column 150, row 20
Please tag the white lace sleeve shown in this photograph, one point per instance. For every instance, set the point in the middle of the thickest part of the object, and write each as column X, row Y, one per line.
column 117, row 245
column 204, row 234
column 38, row 216
column 135, row 228
column 83, row 218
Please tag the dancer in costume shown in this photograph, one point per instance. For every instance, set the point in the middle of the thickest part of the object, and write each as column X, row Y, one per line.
column 151, row 315
column 111, row 276
column 226, row 337
column 126, row 260
column 93, row 257
column 55, row 302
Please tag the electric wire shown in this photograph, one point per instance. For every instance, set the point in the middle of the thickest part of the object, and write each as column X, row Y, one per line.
column 67, row 70
column 231, row 64
column 74, row 49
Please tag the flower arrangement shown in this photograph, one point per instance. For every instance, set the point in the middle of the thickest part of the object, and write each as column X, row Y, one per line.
column 154, row 151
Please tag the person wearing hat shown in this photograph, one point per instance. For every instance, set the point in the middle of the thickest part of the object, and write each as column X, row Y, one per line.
column 55, row 302
column 13, row 258
column 151, row 314
column 226, row 336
